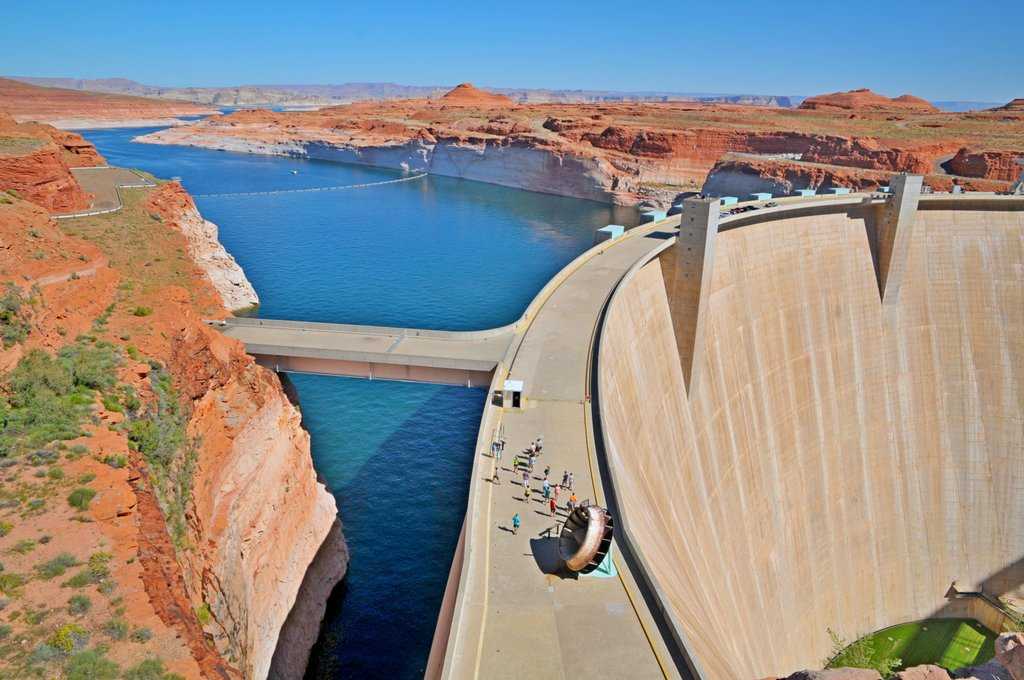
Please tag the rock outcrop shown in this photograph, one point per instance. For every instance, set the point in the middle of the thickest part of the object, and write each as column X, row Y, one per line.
column 925, row 672
column 993, row 164
column 174, row 204
column 465, row 94
column 737, row 175
column 36, row 162
column 836, row 674
column 866, row 100
column 1010, row 653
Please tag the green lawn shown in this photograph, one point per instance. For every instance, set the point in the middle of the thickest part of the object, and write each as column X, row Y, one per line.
column 950, row 643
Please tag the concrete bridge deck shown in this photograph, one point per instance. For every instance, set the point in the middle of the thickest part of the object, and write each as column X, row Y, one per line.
column 374, row 352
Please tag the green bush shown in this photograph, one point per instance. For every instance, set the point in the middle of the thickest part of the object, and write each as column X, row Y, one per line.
column 142, row 311
column 49, row 397
column 5, row 528
column 81, row 497
column 203, row 613
column 55, row 473
column 79, row 605
column 5, row 631
column 56, row 567
column 91, row 665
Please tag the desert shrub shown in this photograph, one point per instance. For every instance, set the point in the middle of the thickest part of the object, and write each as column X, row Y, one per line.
column 159, row 435
column 5, row 528
column 24, row 546
column 859, row 654
column 55, row 473
column 81, row 497
column 142, row 311
column 10, row 583
column 92, row 365
column 203, row 613
column 150, row 669
column 91, row 665
column 117, row 629
column 68, row 638
column 86, row 477
column 56, row 567
column 5, row 631
column 45, row 653
column 78, row 605
column 141, row 635
column 116, row 462
column 14, row 324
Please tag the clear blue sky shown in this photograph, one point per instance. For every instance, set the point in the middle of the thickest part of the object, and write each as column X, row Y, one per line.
column 938, row 49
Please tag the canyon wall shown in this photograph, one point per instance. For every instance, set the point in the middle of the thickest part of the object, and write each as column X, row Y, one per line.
column 259, row 515
column 840, row 462
column 172, row 202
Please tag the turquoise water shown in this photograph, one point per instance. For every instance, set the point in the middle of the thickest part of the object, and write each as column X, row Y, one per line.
column 431, row 253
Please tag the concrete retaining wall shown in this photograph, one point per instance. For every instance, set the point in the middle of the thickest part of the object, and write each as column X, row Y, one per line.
column 841, row 462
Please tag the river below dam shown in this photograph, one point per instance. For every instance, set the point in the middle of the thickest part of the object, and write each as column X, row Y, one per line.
column 432, row 252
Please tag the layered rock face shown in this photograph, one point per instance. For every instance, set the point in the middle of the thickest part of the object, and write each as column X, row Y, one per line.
column 739, row 175
column 259, row 514
column 840, row 461
column 35, row 161
column 618, row 153
column 173, row 203
column 996, row 164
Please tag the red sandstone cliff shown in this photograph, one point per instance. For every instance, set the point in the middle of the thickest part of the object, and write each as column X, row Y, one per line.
column 35, row 161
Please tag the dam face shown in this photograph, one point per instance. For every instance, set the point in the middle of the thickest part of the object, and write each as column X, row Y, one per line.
column 841, row 461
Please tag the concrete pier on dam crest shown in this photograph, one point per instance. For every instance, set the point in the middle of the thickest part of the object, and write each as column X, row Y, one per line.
column 728, row 386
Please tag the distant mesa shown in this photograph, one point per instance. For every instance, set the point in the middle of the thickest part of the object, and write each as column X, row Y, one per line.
column 467, row 93
column 1015, row 106
column 866, row 100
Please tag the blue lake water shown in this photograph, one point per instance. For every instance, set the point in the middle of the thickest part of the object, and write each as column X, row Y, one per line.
column 430, row 253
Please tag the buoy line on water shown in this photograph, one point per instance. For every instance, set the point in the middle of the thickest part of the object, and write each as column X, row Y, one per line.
column 299, row 191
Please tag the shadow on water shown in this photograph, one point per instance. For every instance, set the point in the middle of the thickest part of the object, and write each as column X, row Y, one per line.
column 402, row 510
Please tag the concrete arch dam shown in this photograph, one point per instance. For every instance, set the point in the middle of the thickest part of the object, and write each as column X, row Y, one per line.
column 818, row 422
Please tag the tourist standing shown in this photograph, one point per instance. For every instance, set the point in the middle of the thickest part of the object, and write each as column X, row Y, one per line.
column 526, row 493
column 570, row 504
column 571, row 481
column 565, row 478
column 532, row 459
column 547, row 471
column 515, row 523
column 547, row 489
column 552, row 506
column 526, row 479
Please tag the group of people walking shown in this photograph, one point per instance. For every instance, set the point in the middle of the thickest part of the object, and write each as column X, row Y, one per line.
column 524, row 464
